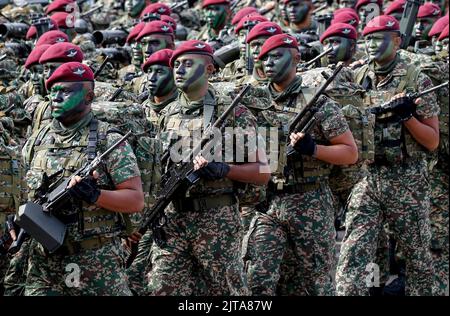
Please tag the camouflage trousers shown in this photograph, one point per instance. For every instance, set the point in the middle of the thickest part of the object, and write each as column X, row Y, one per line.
column 200, row 256
column 440, row 228
column 398, row 195
column 297, row 231
column 16, row 274
column 141, row 265
column 96, row 272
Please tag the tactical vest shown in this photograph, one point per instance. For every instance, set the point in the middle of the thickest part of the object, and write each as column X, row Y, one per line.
column 128, row 116
column 45, row 155
column 296, row 169
column 393, row 142
column 42, row 115
column 12, row 174
column 181, row 128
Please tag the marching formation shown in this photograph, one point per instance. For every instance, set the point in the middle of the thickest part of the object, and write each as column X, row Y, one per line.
column 224, row 147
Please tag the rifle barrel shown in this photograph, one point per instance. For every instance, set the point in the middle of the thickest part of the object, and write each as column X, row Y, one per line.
column 442, row 85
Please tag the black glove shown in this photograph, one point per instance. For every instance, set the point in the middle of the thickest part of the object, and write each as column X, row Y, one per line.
column 214, row 171
column 86, row 190
column 403, row 107
column 306, row 146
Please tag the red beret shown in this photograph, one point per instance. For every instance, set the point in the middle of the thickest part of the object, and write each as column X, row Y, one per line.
column 35, row 54
column 64, row 20
column 169, row 20
column 341, row 30
column 382, row 23
column 32, row 31
column 360, row 3
column 159, row 8
column 70, row 72
column 253, row 19
column 264, row 29
column 349, row 17
column 58, row 5
column 155, row 27
column 52, row 37
column 62, row 52
column 191, row 47
column 438, row 26
column 396, row 6
column 429, row 10
column 161, row 57
column 211, row 2
column 242, row 13
column 444, row 33
column 280, row 40
column 135, row 32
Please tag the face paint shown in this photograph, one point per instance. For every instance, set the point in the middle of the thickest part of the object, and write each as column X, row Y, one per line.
column 49, row 69
column 297, row 11
column 380, row 46
column 342, row 49
column 154, row 43
column 137, row 55
column 241, row 38
column 160, row 80
column 423, row 27
column 67, row 99
column 216, row 16
column 255, row 48
column 134, row 7
column 190, row 73
column 37, row 79
column 277, row 64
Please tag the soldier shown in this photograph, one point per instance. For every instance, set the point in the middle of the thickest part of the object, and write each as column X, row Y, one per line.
column 239, row 68
column 436, row 31
column 368, row 9
column 427, row 15
column 137, row 57
column 155, row 35
column 300, row 213
column 217, row 14
column 342, row 38
column 299, row 15
column 51, row 59
column 161, row 86
column 395, row 191
column 396, row 9
column 97, row 201
column 203, row 229
column 133, row 9
column 154, row 11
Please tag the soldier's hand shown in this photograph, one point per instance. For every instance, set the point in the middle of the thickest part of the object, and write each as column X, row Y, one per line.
column 85, row 189
column 212, row 170
column 403, row 106
column 304, row 144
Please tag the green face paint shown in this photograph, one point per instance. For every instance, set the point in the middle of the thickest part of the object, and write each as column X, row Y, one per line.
column 190, row 73
column 37, row 79
column 297, row 11
column 137, row 54
column 67, row 99
column 160, row 80
column 216, row 16
column 241, row 38
column 277, row 64
column 423, row 27
column 255, row 47
column 134, row 7
column 380, row 46
column 342, row 49
column 154, row 43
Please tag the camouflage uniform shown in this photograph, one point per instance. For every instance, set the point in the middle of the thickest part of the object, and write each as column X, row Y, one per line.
column 204, row 240
column 300, row 215
column 94, row 243
column 141, row 266
column 396, row 191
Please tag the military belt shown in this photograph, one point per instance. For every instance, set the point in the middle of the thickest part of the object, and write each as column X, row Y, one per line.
column 293, row 188
column 205, row 203
column 75, row 247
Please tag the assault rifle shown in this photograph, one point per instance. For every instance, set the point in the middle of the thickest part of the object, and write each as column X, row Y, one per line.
column 179, row 178
column 408, row 21
column 304, row 66
column 304, row 120
column 37, row 218
column 390, row 105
